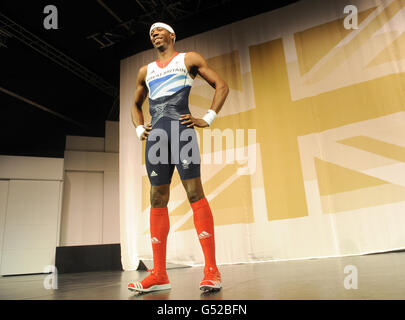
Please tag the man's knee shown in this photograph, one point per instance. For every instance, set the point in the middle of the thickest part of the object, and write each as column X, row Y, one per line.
column 194, row 196
column 159, row 196
column 193, row 189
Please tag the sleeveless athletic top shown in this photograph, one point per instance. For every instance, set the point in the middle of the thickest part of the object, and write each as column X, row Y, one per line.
column 169, row 88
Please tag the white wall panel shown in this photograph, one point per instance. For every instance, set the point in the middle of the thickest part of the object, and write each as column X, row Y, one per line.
column 78, row 143
column 90, row 213
column 30, row 233
column 82, row 209
column 90, row 161
column 111, row 214
column 3, row 208
column 111, row 136
column 31, row 168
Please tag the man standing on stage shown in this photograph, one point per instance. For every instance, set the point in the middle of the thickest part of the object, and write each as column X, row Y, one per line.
column 168, row 81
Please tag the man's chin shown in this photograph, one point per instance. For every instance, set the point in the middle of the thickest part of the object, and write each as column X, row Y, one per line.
column 160, row 47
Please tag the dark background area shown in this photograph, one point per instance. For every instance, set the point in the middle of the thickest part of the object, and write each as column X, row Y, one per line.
column 96, row 34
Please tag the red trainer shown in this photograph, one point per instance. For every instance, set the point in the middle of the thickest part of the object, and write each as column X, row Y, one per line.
column 212, row 280
column 152, row 282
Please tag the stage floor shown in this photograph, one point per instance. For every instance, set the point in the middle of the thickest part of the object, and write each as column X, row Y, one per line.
column 380, row 276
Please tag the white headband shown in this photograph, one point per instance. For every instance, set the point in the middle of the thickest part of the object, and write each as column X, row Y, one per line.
column 162, row 25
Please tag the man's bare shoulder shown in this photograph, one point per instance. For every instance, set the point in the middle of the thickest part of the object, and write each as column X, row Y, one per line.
column 142, row 73
column 193, row 58
column 143, row 69
column 193, row 55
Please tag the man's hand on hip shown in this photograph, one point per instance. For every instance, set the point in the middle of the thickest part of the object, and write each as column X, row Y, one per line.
column 145, row 131
column 190, row 121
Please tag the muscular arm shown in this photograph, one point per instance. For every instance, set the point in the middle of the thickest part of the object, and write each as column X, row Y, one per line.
column 197, row 65
column 141, row 92
column 195, row 61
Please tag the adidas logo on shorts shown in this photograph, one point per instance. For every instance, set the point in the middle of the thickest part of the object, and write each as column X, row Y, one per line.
column 153, row 174
column 204, row 235
column 155, row 240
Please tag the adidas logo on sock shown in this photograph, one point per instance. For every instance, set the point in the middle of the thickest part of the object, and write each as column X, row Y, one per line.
column 155, row 240
column 204, row 235
column 153, row 174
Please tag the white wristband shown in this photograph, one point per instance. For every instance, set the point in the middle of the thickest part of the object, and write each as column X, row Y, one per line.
column 210, row 116
column 139, row 131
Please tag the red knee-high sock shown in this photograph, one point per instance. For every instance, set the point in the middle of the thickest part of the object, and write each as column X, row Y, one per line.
column 204, row 224
column 159, row 229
